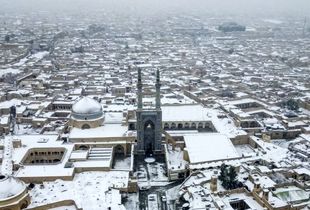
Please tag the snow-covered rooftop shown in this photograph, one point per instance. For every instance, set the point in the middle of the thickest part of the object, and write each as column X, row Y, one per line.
column 108, row 130
column 189, row 113
column 89, row 190
column 206, row 147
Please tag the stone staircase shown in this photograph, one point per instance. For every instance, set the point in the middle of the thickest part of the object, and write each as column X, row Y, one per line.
column 97, row 153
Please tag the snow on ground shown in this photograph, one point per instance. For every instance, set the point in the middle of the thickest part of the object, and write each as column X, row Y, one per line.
column 245, row 150
column 156, row 172
column 89, row 190
column 152, row 174
column 122, row 163
column 132, row 202
column 175, row 158
column 173, row 193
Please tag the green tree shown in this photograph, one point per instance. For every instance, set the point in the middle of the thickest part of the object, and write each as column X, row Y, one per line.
column 228, row 177
column 223, row 172
column 291, row 104
column 232, row 175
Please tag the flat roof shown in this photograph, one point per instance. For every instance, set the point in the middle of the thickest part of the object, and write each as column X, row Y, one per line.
column 206, row 147
column 41, row 142
column 105, row 131
column 190, row 113
column 90, row 190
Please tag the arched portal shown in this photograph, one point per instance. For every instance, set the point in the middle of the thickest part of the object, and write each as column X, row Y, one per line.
column 149, row 137
column 166, row 126
column 83, row 147
column 119, row 150
column 132, row 126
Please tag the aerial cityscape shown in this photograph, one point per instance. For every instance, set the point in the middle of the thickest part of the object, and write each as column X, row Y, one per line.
column 154, row 105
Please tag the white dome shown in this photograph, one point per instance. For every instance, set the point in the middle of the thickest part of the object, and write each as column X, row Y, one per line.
column 86, row 105
column 10, row 186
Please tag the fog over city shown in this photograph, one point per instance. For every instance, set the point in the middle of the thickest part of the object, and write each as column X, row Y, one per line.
column 155, row 104
column 145, row 7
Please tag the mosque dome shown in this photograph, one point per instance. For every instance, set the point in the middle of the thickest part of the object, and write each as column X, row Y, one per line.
column 87, row 108
column 10, row 187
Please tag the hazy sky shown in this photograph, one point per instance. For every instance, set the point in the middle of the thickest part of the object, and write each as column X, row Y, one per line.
column 268, row 7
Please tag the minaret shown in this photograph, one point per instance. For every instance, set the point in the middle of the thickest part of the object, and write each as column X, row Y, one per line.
column 139, row 86
column 157, row 85
column 140, row 145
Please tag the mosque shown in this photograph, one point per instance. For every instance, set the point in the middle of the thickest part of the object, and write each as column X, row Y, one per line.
column 88, row 117
column 97, row 139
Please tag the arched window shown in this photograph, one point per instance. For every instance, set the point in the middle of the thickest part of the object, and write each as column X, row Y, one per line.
column 83, row 147
column 85, row 126
column 200, row 125
column 208, row 127
column 193, row 125
column 186, row 125
column 180, row 126
column 173, row 126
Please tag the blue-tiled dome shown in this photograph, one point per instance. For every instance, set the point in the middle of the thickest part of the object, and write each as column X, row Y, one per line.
column 87, row 109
